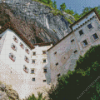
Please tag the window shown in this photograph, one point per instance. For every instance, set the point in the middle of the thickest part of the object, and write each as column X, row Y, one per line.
column 75, row 51
column 33, row 61
column 58, row 75
column 33, row 79
column 25, row 69
column 55, row 53
column 32, row 71
column 14, row 47
column 0, row 38
column 26, row 59
column 44, row 60
column 27, row 51
column 72, row 40
column 89, row 26
column 15, row 39
column 44, row 52
column 45, row 70
column 85, row 43
column 56, row 64
column 44, row 80
column 81, row 32
column 12, row 57
column 34, row 53
column 21, row 45
column 95, row 36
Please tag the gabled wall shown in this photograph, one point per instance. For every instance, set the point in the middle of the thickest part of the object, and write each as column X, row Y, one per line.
column 66, row 57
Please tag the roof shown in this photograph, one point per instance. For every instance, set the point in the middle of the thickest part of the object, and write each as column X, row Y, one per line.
column 43, row 44
column 11, row 26
column 93, row 10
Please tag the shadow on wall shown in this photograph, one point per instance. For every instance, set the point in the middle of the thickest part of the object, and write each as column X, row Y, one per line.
column 48, row 74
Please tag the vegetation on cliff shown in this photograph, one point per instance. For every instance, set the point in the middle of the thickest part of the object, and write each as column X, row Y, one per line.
column 32, row 97
column 82, row 83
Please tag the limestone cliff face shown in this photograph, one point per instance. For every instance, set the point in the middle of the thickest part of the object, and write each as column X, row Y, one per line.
column 44, row 26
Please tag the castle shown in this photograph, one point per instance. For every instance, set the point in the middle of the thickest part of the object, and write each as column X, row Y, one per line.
column 32, row 68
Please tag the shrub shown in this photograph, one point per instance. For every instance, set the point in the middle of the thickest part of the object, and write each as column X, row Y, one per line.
column 81, row 83
column 32, row 97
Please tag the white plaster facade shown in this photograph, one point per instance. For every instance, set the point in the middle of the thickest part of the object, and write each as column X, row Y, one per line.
column 13, row 73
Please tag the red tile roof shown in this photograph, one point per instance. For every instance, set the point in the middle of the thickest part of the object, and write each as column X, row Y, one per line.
column 11, row 26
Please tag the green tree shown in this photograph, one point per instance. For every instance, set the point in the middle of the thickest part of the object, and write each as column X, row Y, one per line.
column 86, row 10
column 76, row 16
column 32, row 97
column 69, row 11
column 54, row 5
column 63, row 6
column 77, row 84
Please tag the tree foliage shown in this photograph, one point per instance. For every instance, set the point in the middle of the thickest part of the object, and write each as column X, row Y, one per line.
column 63, row 6
column 54, row 5
column 32, row 97
column 82, row 83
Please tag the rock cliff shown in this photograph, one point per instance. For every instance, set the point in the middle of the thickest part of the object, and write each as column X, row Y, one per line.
column 36, row 20
column 7, row 93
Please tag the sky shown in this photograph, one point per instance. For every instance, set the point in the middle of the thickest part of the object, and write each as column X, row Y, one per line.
column 78, row 5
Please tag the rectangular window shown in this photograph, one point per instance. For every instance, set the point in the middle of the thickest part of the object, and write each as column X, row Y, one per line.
column 58, row 75
column 75, row 51
column 34, row 53
column 95, row 36
column 44, row 60
column 25, row 69
column 21, row 45
column 55, row 53
column 44, row 52
column 14, row 47
column 15, row 39
column 72, row 40
column 26, row 59
column 44, row 80
column 32, row 71
column 89, row 26
column 33, row 61
column 27, row 51
column 85, row 43
column 12, row 57
column 33, row 79
column 56, row 64
column 81, row 32
column 45, row 70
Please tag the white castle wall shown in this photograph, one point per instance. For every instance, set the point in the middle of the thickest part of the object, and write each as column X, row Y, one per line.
column 65, row 57
column 12, row 72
